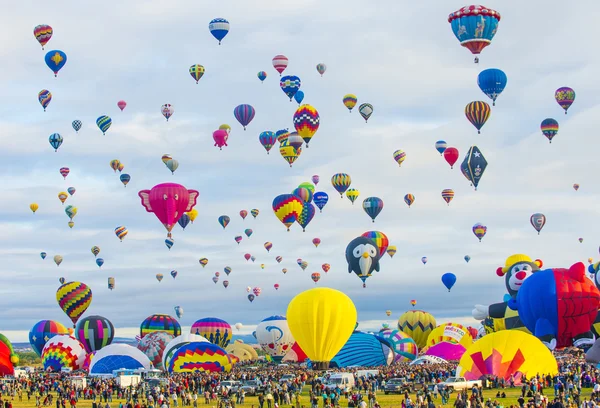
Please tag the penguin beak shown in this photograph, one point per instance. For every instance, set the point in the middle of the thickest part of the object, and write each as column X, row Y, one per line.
column 365, row 265
column 365, row 255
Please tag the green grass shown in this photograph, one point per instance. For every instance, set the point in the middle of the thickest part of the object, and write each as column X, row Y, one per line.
column 392, row 400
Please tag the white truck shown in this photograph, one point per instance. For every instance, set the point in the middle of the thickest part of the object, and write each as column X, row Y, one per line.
column 459, row 384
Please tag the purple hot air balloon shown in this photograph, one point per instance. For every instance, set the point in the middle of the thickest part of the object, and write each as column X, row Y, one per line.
column 244, row 114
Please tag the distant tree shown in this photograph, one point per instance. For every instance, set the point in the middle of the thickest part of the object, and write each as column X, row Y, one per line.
column 28, row 358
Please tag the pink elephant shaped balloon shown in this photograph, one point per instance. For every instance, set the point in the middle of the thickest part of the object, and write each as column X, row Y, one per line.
column 168, row 201
column 220, row 137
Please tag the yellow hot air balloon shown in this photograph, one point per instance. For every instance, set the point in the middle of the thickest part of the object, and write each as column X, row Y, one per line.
column 505, row 354
column 350, row 101
column 62, row 196
column 114, row 164
column 321, row 320
column 289, row 153
column 352, row 194
column 450, row 333
column 417, row 324
column 192, row 214
column 71, row 224
column 34, row 207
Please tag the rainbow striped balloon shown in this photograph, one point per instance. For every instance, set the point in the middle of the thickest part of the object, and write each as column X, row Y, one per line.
column 74, row 298
column 287, row 207
column 306, row 122
column 160, row 322
column 215, row 330
column 199, row 356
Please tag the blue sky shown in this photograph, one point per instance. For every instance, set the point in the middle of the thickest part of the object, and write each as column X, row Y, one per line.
column 405, row 61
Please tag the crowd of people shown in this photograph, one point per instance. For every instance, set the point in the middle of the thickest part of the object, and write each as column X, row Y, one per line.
column 577, row 385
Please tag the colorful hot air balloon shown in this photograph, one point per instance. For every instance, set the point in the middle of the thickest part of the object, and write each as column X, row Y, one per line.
column 55, row 60
column 62, row 196
column 473, row 166
column 448, row 195
column 326, row 267
column 413, row 303
column 159, row 277
column 352, row 194
column 306, row 122
column 55, row 140
column 475, row 27
column 203, row 262
column 168, row 202
column 304, row 194
column 280, row 63
column 71, row 190
column 287, row 208
column 424, row 260
column 341, row 182
column 315, row 276
column 251, row 297
column 169, row 242
column 103, row 123
column 262, row 75
column 267, row 139
column 321, row 68
column 268, row 246
column 254, row 212
column 350, row 101
column 448, row 279
column 219, row 27
column 167, row 110
column 380, row 239
column 321, row 320
column 538, row 220
column 409, row 199
column 549, row 128
column 43, row 331
column 373, row 206
column 451, row 155
column 477, row 113
column 44, row 97
column 121, row 232
column 64, row 171
column 575, row 186
column 121, row 105
column 227, row 270
column 125, row 178
column 479, row 230
column 248, row 232
column 565, row 97
column 365, row 110
column 43, row 34
column 196, row 71
column 289, row 153
column 224, row 220
column 399, row 156
column 244, row 114
column 391, row 251
column 238, row 239
column 257, row 291
column 184, row 221
column 279, row 259
column 95, row 250
column 315, row 179
column 95, row 332
column 417, row 324
column 111, row 283
column 76, row 125
column 492, row 82
column 306, row 215
column 74, row 298
column 316, row 242
column 290, row 84
column 192, row 214
column 441, row 146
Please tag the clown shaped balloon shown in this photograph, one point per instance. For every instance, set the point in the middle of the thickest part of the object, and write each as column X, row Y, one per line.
column 362, row 255
column 168, row 201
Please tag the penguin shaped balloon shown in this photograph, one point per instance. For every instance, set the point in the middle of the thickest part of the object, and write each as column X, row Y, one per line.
column 362, row 255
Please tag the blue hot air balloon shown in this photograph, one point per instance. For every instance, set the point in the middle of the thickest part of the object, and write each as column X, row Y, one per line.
column 290, row 85
column 125, row 179
column 440, row 146
column 320, row 199
column 373, row 206
column 55, row 141
column 43, row 255
column 103, row 123
column 475, row 27
column 99, row 262
column 76, row 125
column 448, row 279
column 262, row 75
column 492, row 82
column 184, row 220
column 55, row 60
column 467, row 258
column 219, row 27
column 244, row 114
column 169, row 243
column 299, row 97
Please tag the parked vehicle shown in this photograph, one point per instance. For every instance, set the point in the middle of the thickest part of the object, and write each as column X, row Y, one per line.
column 232, row 386
column 287, row 378
column 459, row 384
column 252, row 387
column 345, row 381
column 396, row 386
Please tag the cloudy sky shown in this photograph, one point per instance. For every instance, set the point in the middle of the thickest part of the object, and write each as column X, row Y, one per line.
column 404, row 60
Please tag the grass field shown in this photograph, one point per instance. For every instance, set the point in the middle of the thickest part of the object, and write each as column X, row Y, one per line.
column 384, row 400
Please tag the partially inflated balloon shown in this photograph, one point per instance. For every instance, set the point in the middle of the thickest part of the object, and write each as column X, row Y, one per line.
column 321, row 321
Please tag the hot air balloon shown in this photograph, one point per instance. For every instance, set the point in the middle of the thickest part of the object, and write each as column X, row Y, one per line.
column 43, row 34
column 71, row 190
column 43, row 255
column 549, row 128
column 306, row 215
column 178, row 312
column 284, row 270
column 565, row 97
column 34, row 207
column 58, row 259
column 169, row 242
column 196, row 71
column 326, row 267
column 321, row 68
column 247, row 257
column 479, row 230
column 248, row 232
column 121, row 105
column 492, row 82
column 244, row 114
column 304, row 194
column 251, row 298
column 55, row 60
column 254, row 212
column 220, row 137
column 380, row 239
column 262, row 75
column 341, row 182
column 71, row 224
column 306, row 121
column 350, row 101
column 279, row 259
column 538, row 220
column 280, row 63
column 76, row 125
column 409, row 199
column 365, row 110
column 224, row 220
column 238, row 239
column 580, row 240
column 352, row 194
column 267, row 139
column 268, row 246
column 62, row 196
column 399, row 156
column 467, row 258
column 303, row 265
column 215, row 279
column 475, row 27
column 320, row 199
column 184, row 221
column 203, row 261
column 391, row 251
column 172, row 165
column 174, row 274
column 44, row 97
column 451, row 156
column 103, row 123
column 287, row 208
column 121, row 232
column 168, row 202
column 256, row 291
column 114, row 164
column 299, row 97
column 441, row 146
column 448, row 195
column 575, row 186
column 478, row 113
column 94, row 332
column 448, row 279
column 219, row 27
column 316, row 242
column 473, row 166
column 321, row 320
column 111, row 283
column 125, row 178
column 424, row 260
column 74, row 298
column 167, row 110
column 225, row 283
column 417, row 324
column 413, row 303
column 99, row 262
column 192, row 214
column 64, row 171
column 362, row 255
column 276, row 286
column 159, row 277
column 55, row 140
column 290, row 84
column 316, row 276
